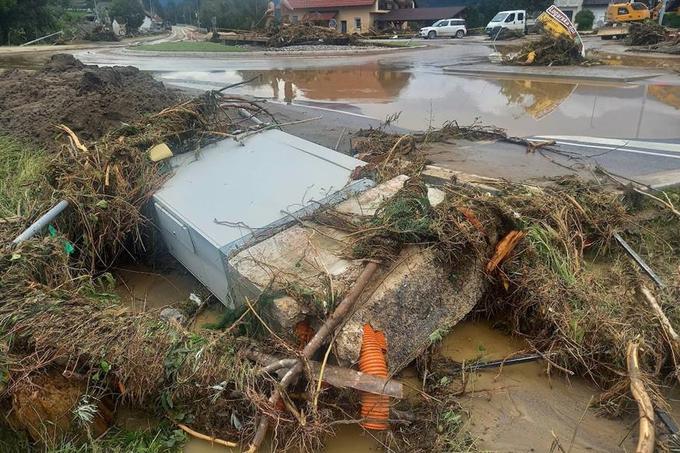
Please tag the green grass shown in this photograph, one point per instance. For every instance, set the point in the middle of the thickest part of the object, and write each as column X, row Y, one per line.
column 163, row 439
column 398, row 44
column 21, row 167
column 190, row 46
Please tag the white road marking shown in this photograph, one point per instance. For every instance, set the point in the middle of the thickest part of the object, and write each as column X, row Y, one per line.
column 618, row 143
column 618, row 149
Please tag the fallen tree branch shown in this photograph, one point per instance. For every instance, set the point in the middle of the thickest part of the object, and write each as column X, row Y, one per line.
column 663, row 319
column 212, row 440
column 343, row 309
column 644, row 402
column 338, row 376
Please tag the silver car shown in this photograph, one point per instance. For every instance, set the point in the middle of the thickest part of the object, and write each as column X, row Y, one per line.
column 453, row 28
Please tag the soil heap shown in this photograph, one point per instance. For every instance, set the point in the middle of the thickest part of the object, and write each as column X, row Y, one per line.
column 89, row 99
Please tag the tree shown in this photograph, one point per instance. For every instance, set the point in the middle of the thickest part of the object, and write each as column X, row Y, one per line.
column 584, row 19
column 480, row 13
column 129, row 12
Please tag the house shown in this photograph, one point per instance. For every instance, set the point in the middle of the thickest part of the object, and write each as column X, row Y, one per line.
column 572, row 7
column 358, row 16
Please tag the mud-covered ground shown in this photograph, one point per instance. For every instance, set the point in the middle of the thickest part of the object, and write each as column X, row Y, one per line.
column 88, row 99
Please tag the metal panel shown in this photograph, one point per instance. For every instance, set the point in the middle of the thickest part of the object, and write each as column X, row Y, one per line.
column 252, row 185
column 230, row 194
column 177, row 230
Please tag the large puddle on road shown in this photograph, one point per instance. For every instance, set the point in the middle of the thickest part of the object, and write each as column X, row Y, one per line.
column 428, row 97
column 517, row 409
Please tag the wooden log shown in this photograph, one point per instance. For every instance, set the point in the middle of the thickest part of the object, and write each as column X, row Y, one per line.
column 637, row 387
column 343, row 309
column 342, row 377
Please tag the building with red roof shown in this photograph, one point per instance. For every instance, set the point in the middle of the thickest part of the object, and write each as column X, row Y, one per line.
column 358, row 16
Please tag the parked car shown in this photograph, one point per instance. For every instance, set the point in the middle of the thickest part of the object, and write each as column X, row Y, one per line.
column 454, row 28
column 509, row 20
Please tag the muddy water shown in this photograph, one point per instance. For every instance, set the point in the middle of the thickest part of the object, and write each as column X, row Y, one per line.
column 425, row 97
column 515, row 409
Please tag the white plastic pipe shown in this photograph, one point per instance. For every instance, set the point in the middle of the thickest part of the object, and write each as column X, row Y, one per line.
column 42, row 222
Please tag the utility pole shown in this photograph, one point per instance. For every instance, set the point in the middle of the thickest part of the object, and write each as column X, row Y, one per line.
column 662, row 11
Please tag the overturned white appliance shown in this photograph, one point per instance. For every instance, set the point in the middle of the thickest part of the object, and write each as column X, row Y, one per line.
column 231, row 195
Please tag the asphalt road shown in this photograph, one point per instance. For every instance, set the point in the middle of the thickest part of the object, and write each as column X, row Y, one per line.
column 630, row 128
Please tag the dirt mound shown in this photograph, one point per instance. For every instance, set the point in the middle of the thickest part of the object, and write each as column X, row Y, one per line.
column 88, row 99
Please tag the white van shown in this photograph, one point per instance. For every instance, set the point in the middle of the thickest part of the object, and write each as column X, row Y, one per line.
column 511, row 20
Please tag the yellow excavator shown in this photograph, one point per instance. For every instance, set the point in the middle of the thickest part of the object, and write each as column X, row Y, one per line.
column 620, row 15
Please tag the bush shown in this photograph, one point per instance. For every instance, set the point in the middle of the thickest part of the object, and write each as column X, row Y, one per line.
column 671, row 20
column 584, row 19
column 129, row 12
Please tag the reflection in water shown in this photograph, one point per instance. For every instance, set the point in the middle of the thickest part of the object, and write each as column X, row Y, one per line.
column 427, row 97
column 368, row 83
column 668, row 94
column 537, row 98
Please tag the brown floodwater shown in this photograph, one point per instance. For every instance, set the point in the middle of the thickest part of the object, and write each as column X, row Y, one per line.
column 426, row 97
column 518, row 408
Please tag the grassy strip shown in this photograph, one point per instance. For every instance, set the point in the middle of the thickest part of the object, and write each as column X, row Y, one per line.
column 21, row 167
column 396, row 44
column 190, row 46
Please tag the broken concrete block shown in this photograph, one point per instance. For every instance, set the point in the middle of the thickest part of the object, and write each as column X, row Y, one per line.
column 171, row 315
column 284, row 313
column 412, row 303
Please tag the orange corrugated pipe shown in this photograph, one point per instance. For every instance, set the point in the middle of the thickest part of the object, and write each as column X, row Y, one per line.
column 375, row 409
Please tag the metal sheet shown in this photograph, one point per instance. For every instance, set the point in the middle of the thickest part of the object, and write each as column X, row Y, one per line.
column 251, row 186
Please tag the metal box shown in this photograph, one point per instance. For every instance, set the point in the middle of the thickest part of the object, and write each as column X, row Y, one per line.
column 231, row 195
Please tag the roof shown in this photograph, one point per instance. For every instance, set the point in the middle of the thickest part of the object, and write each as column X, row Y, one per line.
column 422, row 13
column 305, row 4
column 319, row 16
column 595, row 2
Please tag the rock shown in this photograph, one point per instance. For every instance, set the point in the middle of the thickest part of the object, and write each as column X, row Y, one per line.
column 171, row 315
column 284, row 313
column 43, row 405
column 409, row 303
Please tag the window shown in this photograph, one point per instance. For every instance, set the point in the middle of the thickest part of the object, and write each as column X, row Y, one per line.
column 511, row 18
column 439, row 23
column 639, row 6
column 343, row 26
column 623, row 11
column 295, row 19
column 520, row 16
column 458, row 22
column 357, row 23
column 499, row 17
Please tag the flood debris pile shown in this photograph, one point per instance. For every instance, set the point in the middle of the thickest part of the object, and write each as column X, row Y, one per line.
column 302, row 34
column 645, row 33
column 670, row 45
column 89, row 99
column 406, row 260
column 548, row 51
column 58, row 317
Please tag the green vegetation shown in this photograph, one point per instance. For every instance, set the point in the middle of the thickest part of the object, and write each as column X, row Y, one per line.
column 21, row 167
column 584, row 19
column 398, row 44
column 129, row 12
column 188, row 46
column 162, row 439
column 481, row 12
